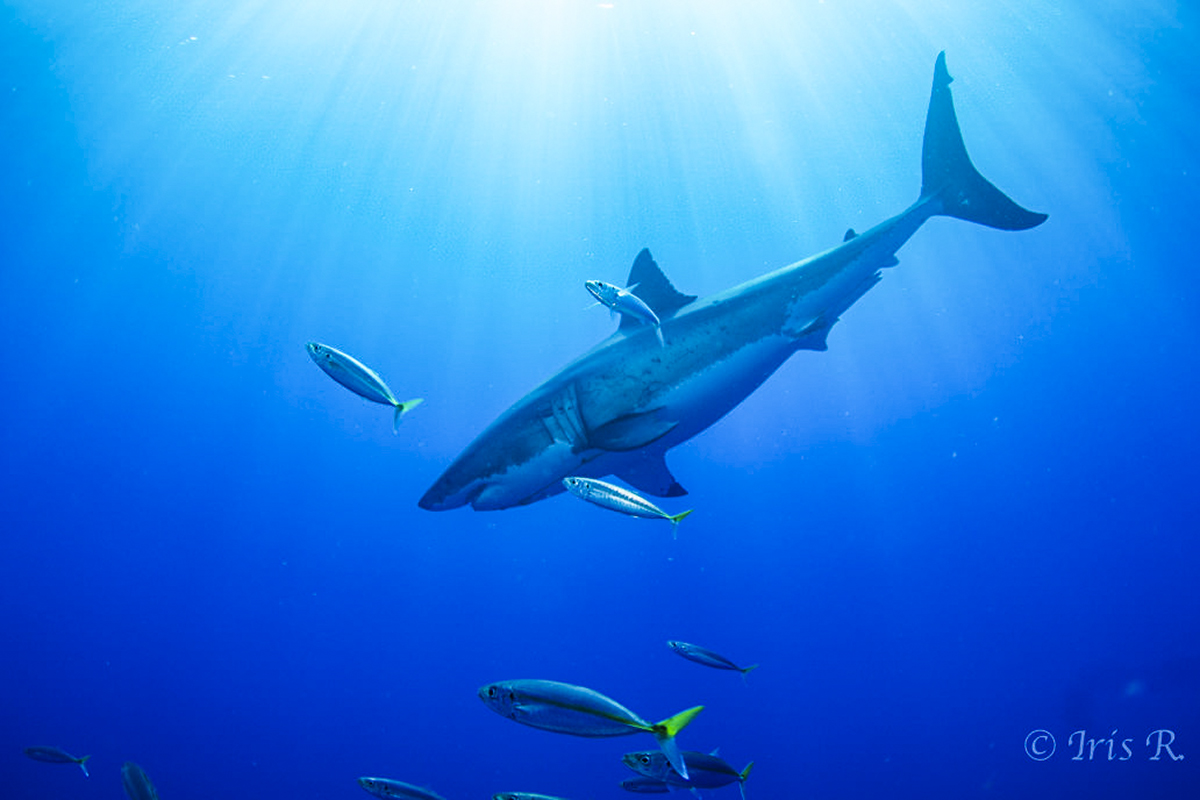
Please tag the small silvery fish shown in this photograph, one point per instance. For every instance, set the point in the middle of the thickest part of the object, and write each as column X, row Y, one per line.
column 702, row 655
column 137, row 782
column 615, row 498
column 705, row 770
column 643, row 785
column 359, row 378
column 523, row 796
column 563, row 708
column 626, row 303
column 56, row 755
column 387, row 788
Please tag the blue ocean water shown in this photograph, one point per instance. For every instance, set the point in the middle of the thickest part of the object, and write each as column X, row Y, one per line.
column 970, row 520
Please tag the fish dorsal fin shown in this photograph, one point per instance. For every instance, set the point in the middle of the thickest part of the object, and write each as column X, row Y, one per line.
column 850, row 234
column 654, row 290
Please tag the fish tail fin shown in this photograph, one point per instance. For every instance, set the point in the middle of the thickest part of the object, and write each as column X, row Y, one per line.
column 665, row 732
column 82, row 762
column 746, row 671
column 742, row 779
column 404, row 408
column 671, row 726
column 948, row 178
column 676, row 519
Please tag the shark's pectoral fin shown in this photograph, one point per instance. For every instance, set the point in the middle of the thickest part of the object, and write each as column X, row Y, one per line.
column 631, row 431
column 651, row 475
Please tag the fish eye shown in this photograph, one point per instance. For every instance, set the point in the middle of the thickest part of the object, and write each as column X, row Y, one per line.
column 645, row 760
column 491, row 691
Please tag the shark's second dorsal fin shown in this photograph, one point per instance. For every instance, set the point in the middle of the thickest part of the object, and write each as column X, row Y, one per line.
column 654, row 290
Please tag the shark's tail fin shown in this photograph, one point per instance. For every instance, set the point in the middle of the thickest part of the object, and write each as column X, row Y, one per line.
column 949, row 177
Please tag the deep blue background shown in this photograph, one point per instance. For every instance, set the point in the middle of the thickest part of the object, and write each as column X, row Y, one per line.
column 973, row 517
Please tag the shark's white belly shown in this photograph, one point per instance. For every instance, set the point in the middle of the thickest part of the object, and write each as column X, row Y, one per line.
column 709, row 394
column 521, row 482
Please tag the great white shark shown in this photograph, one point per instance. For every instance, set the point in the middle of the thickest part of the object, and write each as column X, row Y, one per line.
column 618, row 409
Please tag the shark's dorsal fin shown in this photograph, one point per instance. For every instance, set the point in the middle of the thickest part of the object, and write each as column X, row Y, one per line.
column 649, row 474
column 654, row 290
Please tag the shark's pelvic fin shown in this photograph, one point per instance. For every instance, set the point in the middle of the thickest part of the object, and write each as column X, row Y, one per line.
column 813, row 335
column 654, row 289
column 948, row 176
column 650, row 474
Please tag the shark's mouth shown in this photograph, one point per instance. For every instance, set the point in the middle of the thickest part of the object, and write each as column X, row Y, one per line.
column 434, row 500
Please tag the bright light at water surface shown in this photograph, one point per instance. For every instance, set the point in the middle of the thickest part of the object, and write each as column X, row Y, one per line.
column 382, row 172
